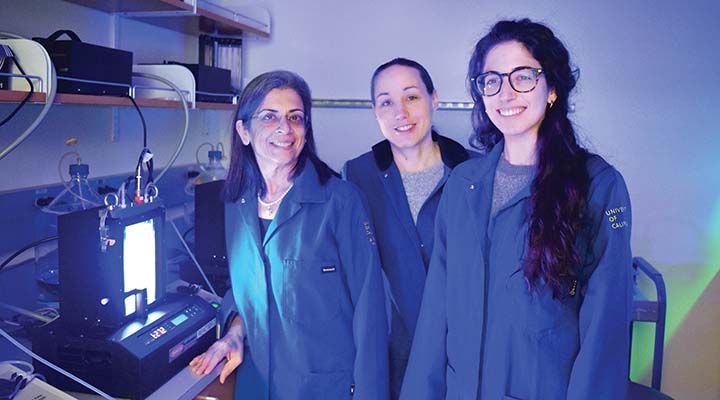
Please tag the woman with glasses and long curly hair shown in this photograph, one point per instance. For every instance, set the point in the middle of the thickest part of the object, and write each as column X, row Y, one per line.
column 528, row 290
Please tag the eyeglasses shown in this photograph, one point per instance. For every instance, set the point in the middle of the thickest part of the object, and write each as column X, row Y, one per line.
column 521, row 79
column 271, row 119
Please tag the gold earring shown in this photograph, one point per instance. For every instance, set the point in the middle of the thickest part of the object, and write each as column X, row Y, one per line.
column 550, row 103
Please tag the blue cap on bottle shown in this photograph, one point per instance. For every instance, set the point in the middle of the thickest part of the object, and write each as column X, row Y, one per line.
column 215, row 155
column 79, row 169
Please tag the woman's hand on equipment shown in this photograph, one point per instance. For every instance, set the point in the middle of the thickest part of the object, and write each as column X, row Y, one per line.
column 229, row 347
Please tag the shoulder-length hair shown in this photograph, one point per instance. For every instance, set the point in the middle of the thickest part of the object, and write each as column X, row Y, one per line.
column 244, row 173
column 559, row 191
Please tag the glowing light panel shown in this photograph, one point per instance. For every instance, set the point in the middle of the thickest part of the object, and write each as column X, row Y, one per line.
column 139, row 262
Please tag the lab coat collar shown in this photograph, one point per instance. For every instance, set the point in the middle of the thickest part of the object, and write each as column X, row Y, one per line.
column 395, row 191
column 451, row 152
column 524, row 193
column 478, row 186
column 476, row 179
column 306, row 189
column 492, row 159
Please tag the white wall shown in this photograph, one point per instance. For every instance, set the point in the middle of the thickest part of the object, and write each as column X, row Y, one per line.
column 645, row 101
column 644, row 98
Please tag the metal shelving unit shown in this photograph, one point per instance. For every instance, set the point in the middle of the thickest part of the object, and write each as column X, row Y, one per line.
column 186, row 17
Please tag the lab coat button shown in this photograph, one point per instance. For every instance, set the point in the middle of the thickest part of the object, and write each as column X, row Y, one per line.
column 472, row 187
column 422, row 245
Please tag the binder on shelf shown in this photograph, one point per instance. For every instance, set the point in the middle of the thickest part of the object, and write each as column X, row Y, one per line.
column 222, row 52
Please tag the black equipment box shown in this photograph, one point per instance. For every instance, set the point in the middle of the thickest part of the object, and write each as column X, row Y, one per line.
column 135, row 360
column 104, row 250
column 212, row 84
column 93, row 69
column 210, row 248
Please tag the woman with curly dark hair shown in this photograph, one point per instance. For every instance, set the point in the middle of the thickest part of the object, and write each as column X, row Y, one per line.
column 528, row 291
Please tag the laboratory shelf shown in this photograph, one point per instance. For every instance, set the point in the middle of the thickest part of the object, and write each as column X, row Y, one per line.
column 215, row 106
column 120, row 6
column 14, row 96
column 174, row 14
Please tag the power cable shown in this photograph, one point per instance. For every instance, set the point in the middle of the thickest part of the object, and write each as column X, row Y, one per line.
column 181, row 143
column 26, row 247
column 25, row 99
column 48, row 102
column 53, row 366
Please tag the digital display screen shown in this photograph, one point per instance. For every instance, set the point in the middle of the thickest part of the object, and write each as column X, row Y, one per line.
column 139, row 262
column 179, row 319
column 155, row 334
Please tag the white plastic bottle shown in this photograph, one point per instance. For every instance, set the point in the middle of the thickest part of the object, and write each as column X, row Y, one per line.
column 213, row 170
column 77, row 195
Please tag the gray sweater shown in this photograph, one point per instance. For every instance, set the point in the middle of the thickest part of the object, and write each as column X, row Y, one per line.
column 509, row 180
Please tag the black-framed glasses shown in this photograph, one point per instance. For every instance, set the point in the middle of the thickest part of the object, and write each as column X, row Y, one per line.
column 271, row 119
column 522, row 80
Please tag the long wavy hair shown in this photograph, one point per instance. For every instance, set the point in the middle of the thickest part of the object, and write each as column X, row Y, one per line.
column 560, row 189
column 244, row 172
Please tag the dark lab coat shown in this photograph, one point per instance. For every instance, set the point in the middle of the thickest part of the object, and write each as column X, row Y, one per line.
column 405, row 246
column 310, row 294
column 482, row 334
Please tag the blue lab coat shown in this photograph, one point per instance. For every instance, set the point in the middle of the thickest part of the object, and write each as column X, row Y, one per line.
column 405, row 246
column 482, row 334
column 310, row 294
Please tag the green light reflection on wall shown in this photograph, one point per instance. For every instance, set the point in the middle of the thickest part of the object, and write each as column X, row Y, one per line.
column 682, row 296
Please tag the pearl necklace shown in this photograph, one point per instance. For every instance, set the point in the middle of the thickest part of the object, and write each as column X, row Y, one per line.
column 270, row 204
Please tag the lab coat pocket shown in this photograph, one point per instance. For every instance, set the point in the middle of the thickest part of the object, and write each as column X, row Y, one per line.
column 561, row 342
column 535, row 311
column 312, row 289
column 327, row 386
